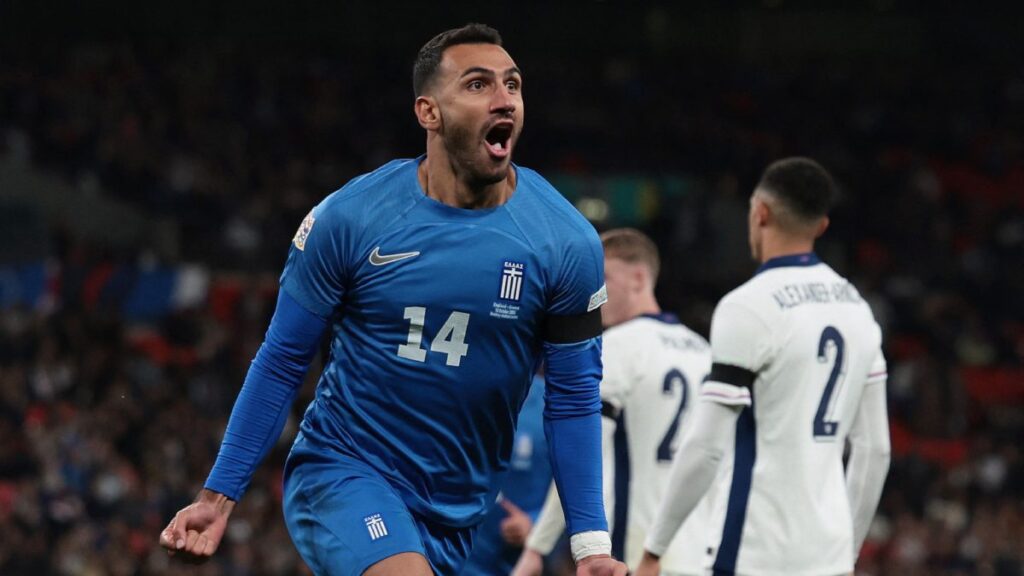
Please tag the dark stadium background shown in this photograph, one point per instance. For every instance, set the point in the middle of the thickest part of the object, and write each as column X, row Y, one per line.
column 156, row 159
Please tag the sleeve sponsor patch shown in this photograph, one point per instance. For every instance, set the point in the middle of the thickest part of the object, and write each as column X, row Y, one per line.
column 598, row 298
column 303, row 232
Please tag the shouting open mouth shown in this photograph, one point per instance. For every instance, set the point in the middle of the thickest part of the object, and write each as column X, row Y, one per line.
column 498, row 139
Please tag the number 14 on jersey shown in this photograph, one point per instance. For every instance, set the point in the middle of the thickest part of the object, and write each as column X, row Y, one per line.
column 450, row 339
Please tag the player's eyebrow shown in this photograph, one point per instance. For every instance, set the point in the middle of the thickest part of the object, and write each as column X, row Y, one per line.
column 490, row 73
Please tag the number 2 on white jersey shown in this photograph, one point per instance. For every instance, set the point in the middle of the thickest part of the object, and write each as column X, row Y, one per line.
column 450, row 340
column 825, row 429
column 673, row 377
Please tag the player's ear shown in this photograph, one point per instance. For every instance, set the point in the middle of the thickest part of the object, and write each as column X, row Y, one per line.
column 427, row 113
column 640, row 277
column 821, row 227
column 762, row 213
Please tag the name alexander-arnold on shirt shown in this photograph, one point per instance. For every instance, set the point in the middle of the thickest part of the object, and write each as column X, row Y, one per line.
column 681, row 343
column 793, row 295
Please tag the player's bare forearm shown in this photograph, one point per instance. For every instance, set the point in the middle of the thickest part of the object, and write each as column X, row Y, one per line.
column 196, row 530
column 516, row 525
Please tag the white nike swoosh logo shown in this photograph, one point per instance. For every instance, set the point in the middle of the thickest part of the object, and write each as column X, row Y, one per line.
column 378, row 259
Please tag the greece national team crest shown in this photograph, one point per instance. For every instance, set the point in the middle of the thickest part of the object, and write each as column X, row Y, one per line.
column 303, row 232
column 511, row 290
column 511, row 281
column 375, row 526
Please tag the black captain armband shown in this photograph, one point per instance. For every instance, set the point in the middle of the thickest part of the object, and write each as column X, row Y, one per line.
column 569, row 329
column 732, row 375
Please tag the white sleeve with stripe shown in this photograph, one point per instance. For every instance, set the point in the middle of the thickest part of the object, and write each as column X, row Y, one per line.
column 739, row 338
column 869, row 453
column 704, row 445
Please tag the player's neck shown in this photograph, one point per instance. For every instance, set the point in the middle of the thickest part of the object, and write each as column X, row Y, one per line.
column 778, row 245
column 646, row 304
column 440, row 180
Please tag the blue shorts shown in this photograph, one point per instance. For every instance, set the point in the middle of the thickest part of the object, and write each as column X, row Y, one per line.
column 345, row 517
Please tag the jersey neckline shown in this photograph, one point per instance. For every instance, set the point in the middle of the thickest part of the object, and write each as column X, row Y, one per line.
column 470, row 213
column 665, row 317
column 803, row 259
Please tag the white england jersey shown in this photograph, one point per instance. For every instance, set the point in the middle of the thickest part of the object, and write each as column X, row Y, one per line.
column 797, row 346
column 653, row 369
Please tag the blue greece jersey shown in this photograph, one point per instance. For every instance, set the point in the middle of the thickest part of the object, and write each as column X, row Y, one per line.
column 436, row 315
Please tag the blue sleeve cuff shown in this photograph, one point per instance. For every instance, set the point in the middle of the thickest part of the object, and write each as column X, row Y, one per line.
column 270, row 387
column 572, row 422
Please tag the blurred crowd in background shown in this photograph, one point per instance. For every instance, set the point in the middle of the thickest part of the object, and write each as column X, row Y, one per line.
column 134, row 297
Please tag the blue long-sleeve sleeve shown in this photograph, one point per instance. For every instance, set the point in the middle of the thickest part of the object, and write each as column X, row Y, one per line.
column 572, row 422
column 270, row 387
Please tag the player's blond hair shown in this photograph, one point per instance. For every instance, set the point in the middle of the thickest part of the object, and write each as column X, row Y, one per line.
column 633, row 246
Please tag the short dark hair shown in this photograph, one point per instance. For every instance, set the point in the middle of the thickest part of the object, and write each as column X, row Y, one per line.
column 633, row 246
column 803, row 186
column 428, row 60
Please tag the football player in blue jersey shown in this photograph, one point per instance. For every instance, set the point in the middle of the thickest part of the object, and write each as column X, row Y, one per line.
column 444, row 280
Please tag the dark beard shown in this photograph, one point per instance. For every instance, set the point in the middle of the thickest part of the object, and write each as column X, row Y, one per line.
column 462, row 146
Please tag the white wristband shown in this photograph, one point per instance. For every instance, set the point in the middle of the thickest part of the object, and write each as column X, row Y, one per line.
column 590, row 543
